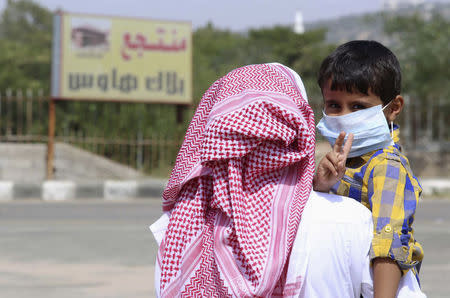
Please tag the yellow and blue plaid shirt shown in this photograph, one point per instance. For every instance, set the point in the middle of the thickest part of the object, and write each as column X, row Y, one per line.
column 382, row 181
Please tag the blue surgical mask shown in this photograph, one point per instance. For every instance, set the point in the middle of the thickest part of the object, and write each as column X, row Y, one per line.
column 369, row 127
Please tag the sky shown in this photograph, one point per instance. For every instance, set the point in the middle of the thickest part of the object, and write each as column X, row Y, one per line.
column 236, row 15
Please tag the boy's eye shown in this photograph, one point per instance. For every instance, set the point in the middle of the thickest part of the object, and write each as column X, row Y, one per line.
column 332, row 106
column 357, row 106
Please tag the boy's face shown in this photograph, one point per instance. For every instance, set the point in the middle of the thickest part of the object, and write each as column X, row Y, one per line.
column 340, row 102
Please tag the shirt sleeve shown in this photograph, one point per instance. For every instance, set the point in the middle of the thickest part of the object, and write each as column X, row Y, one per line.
column 393, row 194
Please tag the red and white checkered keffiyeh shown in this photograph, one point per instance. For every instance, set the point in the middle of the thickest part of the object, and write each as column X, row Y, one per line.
column 239, row 186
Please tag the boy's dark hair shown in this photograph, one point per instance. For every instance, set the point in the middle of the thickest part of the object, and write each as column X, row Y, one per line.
column 362, row 65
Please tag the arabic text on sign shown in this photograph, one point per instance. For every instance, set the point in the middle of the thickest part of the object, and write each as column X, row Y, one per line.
column 140, row 44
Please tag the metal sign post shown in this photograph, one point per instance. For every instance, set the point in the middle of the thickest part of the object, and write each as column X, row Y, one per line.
column 51, row 138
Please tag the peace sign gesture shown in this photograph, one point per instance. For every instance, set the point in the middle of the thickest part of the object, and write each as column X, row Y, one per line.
column 331, row 168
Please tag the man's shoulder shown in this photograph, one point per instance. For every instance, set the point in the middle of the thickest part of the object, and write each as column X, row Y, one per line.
column 338, row 209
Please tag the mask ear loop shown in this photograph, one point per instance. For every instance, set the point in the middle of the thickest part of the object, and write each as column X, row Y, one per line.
column 392, row 129
column 385, row 106
column 392, row 123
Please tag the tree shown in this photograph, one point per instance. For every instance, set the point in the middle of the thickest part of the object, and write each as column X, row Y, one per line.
column 423, row 52
column 25, row 46
column 301, row 52
column 216, row 52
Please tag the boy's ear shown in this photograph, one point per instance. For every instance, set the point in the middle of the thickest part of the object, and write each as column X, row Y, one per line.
column 394, row 108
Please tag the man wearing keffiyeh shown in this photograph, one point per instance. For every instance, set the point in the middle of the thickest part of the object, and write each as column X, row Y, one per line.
column 239, row 186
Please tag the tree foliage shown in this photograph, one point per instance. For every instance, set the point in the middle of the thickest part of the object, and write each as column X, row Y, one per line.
column 423, row 50
column 216, row 52
column 25, row 46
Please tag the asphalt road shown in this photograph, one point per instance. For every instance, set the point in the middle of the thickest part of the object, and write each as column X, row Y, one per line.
column 104, row 249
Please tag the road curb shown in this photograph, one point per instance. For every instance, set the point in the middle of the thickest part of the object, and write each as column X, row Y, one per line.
column 62, row 190
column 58, row 190
column 435, row 186
column 6, row 190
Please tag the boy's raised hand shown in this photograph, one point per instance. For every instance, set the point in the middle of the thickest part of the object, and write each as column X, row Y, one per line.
column 331, row 168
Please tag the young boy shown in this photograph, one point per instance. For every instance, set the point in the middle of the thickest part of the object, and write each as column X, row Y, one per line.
column 360, row 83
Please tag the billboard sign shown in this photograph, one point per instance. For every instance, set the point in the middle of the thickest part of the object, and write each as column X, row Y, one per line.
column 121, row 59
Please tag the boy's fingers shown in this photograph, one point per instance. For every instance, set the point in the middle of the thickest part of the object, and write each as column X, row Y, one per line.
column 339, row 141
column 328, row 165
column 348, row 145
column 333, row 158
column 341, row 166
